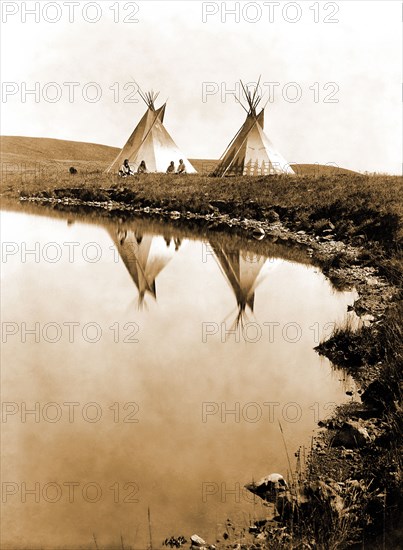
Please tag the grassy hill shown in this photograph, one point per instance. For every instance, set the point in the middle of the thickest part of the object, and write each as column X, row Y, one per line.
column 24, row 154
column 46, row 149
column 15, row 150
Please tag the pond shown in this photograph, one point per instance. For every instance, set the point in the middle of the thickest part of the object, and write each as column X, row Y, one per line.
column 148, row 374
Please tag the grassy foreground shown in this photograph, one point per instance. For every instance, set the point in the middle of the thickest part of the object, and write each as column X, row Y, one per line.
column 364, row 212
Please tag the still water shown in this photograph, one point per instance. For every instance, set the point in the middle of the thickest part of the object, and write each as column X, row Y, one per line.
column 147, row 370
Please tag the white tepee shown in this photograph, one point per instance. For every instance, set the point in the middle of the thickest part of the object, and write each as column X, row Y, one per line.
column 151, row 142
column 251, row 153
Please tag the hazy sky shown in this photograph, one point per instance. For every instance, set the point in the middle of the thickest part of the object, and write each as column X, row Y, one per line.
column 347, row 72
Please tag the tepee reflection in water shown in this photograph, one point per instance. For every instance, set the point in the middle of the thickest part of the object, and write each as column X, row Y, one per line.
column 145, row 256
column 241, row 270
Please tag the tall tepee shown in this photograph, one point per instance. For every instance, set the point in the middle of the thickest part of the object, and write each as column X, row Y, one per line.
column 251, row 153
column 151, row 142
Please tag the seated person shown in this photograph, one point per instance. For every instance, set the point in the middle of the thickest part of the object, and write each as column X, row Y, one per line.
column 171, row 167
column 125, row 169
column 181, row 168
column 142, row 169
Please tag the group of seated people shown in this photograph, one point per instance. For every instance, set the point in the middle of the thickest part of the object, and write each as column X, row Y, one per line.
column 126, row 169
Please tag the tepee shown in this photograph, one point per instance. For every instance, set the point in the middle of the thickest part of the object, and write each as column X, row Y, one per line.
column 251, row 153
column 241, row 270
column 151, row 142
column 143, row 257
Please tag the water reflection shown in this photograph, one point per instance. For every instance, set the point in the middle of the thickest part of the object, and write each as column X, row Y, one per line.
column 241, row 269
column 144, row 256
column 189, row 468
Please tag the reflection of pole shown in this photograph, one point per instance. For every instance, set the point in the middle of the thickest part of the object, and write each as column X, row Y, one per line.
column 149, row 528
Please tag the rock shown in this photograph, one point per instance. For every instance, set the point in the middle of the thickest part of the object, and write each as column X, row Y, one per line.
column 347, row 453
column 272, row 216
column 175, row 542
column 351, row 435
column 328, row 491
column 197, row 541
column 268, row 488
column 258, row 233
column 223, row 206
column 377, row 395
column 360, row 485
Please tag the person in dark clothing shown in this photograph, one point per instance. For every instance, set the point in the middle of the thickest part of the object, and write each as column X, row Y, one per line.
column 142, row 169
column 171, row 168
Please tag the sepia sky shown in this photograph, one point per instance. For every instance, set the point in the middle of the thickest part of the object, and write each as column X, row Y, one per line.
column 335, row 95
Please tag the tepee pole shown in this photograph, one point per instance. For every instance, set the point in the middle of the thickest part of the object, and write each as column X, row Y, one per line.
column 255, row 92
column 266, row 103
column 245, row 92
column 246, row 110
